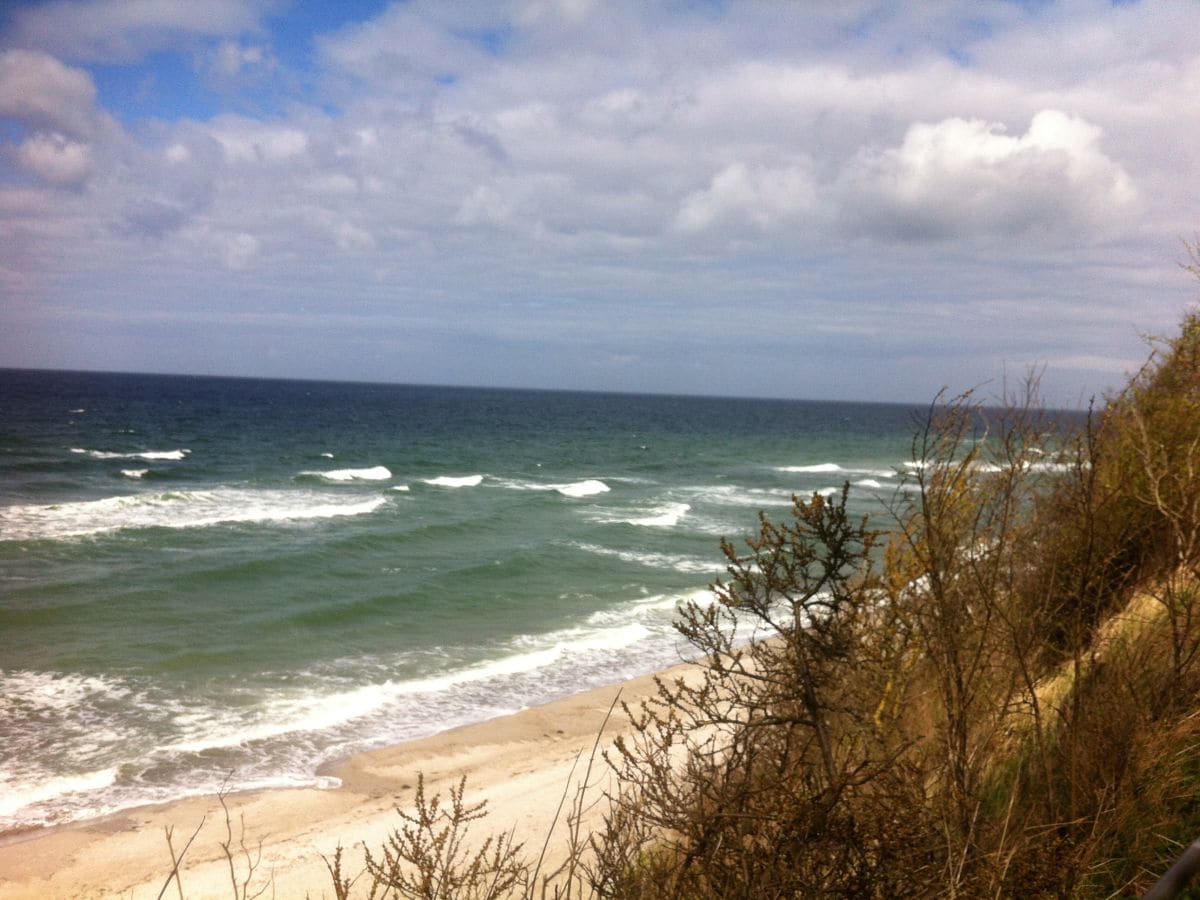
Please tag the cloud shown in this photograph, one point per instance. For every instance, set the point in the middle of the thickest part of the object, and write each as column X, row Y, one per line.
column 962, row 177
column 247, row 141
column 763, row 197
column 55, row 159
column 42, row 93
column 452, row 166
column 409, row 50
column 62, row 135
column 126, row 30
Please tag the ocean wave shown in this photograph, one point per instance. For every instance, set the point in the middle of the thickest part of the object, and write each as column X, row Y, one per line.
column 450, row 481
column 184, row 509
column 48, row 692
column 290, row 726
column 733, row 495
column 17, row 794
column 134, row 473
column 373, row 473
column 652, row 604
column 815, row 468
column 689, row 565
column 149, row 455
column 315, row 711
column 589, row 487
column 831, row 468
column 665, row 515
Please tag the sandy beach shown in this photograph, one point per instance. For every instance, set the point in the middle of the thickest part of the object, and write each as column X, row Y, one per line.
column 520, row 763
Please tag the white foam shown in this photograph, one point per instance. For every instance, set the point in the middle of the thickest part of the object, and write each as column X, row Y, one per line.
column 149, row 455
column 327, row 455
column 588, row 488
column 318, row 712
column 818, row 467
column 15, row 795
column 656, row 603
column 868, row 482
column 400, row 487
column 134, row 473
column 281, row 715
column 449, row 481
column 54, row 691
column 828, row 468
column 685, row 564
column 667, row 516
column 185, row 509
column 731, row 495
column 373, row 473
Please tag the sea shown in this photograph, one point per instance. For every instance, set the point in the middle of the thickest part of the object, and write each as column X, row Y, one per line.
column 216, row 583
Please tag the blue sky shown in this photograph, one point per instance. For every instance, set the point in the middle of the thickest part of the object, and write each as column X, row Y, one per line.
column 849, row 200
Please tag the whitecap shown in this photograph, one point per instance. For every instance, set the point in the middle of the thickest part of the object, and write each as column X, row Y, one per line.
column 449, row 481
column 186, row 509
column 732, row 495
column 134, row 473
column 686, row 564
column 587, row 488
column 829, row 468
column 818, row 467
column 147, row 454
column 374, row 473
column 665, row 516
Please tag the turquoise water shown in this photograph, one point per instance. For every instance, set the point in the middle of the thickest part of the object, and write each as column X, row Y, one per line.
column 208, row 581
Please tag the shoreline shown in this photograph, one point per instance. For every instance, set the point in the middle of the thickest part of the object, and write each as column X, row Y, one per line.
column 520, row 763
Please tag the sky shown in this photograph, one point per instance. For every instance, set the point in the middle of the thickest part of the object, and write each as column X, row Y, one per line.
column 820, row 200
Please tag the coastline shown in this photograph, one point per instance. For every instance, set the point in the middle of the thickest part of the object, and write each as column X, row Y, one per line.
column 520, row 763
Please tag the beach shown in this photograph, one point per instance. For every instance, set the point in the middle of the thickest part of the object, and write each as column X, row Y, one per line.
column 520, row 763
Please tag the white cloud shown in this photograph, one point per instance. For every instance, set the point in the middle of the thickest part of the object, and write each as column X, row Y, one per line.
column 247, row 141
column 55, row 159
column 651, row 161
column 125, row 30
column 762, row 197
column 230, row 59
column 961, row 177
column 484, row 206
column 239, row 250
column 42, row 93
